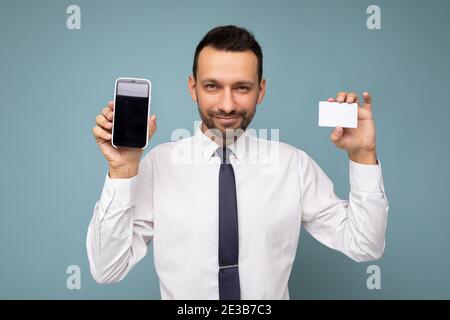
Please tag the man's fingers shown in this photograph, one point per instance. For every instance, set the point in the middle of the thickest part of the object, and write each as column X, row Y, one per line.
column 100, row 133
column 357, row 100
column 367, row 98
column 101, row 121
column 367, row 101
column 337, row 133
column 108, row 113
column 341, row 96
column 110, row 105
column 331, row 100
column 351, row 97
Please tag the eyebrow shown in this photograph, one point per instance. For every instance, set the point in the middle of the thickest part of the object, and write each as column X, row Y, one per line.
column 240, row 83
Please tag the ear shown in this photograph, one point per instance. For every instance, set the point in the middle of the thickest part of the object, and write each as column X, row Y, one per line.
column 191, row 87
column 262, row 91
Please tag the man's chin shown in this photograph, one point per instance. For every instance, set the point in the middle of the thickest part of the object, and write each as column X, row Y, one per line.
column 225, row 125
column 228, row 127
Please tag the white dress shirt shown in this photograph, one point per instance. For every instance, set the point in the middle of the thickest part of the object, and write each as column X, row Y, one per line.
column 174, row 202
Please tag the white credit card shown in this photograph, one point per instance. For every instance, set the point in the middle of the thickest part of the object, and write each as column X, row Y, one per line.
column 333, row 114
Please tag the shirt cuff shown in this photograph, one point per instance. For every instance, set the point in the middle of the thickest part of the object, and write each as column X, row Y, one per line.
column 118, row 193
column 365, row 177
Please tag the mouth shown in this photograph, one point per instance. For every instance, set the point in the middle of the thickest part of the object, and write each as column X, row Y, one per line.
column 226, row 120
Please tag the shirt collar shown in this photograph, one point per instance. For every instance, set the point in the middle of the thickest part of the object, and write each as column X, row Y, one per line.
column 209, row 147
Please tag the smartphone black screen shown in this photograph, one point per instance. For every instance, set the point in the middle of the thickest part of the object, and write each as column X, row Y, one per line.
column 131, row 115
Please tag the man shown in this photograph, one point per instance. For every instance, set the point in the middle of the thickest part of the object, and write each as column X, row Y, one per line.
column 222, row 228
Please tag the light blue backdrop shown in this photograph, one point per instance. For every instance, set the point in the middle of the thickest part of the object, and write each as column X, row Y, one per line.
column 54, row 81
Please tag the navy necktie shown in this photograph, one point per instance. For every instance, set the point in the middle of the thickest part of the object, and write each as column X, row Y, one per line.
column 229, row 288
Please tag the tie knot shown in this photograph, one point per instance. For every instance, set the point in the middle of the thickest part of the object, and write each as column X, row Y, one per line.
column 224, row 154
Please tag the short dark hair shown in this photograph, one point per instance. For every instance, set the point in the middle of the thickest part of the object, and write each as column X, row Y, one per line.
column 229, row 38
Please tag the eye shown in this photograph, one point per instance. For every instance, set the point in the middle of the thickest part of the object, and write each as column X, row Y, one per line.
column 243, row 89
column 211, row 86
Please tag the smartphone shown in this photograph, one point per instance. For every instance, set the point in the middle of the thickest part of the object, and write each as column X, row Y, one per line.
column 132, row 99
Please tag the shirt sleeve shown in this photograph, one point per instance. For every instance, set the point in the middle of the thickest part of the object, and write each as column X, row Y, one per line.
column 355, row 227
column 122, row 225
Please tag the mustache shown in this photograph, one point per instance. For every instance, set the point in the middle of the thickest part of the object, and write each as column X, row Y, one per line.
column 227, row 115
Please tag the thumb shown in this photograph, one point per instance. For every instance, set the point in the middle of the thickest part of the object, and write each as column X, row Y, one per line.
column 337, row 133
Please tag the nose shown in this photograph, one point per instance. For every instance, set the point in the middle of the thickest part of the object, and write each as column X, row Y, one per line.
column 228, row 105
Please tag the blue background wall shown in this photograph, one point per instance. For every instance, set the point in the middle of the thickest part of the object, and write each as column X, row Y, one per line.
column 54, row 81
